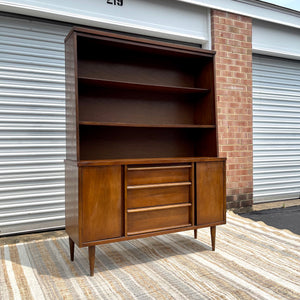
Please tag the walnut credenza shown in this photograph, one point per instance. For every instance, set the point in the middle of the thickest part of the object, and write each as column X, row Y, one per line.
column 132, row 199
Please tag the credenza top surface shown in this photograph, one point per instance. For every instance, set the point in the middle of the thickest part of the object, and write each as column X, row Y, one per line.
column 86, row 163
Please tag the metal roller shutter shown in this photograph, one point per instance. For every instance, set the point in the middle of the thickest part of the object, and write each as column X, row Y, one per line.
column 276, row 128
column 32, row 125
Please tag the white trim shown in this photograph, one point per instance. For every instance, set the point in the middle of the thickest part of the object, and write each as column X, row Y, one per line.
column 208, row 45
column 276, row 53
column 275, row 40
column 271, row 6
column 111, row 23
column 252, row 9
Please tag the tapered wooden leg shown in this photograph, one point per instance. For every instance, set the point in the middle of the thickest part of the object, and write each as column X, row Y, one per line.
column 195, row 233
column 92, row 259
column 71, row 244
column 213, row 237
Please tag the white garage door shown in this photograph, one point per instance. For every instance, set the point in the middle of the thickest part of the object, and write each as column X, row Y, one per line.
column 276, row 128
column 32, row 125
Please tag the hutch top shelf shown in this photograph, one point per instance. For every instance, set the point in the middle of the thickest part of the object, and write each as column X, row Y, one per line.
column 138, row 98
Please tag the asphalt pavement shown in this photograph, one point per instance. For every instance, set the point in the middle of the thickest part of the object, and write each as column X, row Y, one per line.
column 280, row 217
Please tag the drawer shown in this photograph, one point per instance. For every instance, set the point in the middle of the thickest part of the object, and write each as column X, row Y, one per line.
column 160, row 174
column 160, row 219
column 158, row 196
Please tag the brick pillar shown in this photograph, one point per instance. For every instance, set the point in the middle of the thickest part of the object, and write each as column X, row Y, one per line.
column 232, row 40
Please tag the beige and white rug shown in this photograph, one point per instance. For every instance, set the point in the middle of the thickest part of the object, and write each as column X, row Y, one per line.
column 251, row 261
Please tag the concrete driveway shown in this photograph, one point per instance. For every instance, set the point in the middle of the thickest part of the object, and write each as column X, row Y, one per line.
column 282, row 215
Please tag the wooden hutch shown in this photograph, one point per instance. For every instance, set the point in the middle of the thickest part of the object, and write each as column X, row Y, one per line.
column 142, row 156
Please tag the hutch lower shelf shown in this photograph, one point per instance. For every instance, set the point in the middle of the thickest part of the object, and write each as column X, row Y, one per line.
column 117, row 200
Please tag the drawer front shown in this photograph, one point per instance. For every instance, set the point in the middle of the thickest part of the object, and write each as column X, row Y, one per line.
column 156, row 175
column 158, row 196
column 155, row 220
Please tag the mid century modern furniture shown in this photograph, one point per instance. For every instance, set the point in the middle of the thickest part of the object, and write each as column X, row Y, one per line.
column 142, row 155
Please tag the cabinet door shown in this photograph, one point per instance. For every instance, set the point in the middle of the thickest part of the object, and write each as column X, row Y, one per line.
column 101, row 203
column 210, row 192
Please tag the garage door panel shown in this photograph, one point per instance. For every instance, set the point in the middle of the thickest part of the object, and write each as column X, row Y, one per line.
column 276, row 128
column 32, row 125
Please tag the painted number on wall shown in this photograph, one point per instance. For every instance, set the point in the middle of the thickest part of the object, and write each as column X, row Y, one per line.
column 115, row 2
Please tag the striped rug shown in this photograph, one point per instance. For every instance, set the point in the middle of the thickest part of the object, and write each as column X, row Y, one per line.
column 251, row 261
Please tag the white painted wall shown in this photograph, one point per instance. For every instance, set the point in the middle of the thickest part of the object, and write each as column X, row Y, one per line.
column 276, row 40
column 166, row 19
column 254, row 9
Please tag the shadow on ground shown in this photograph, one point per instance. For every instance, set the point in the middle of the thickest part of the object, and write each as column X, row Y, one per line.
column 282, row 218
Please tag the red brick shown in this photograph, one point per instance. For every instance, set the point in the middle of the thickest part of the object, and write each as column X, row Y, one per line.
column 221, row 40
column 226, row 35
column 220, row 13
column 234, row 55
column 240, row 24
column 240, row 37
column 235, row 68
column 231, row 38
column 232, row 29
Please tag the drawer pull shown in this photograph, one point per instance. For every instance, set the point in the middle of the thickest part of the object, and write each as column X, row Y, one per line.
column 135, row 210
column 158, row 168
column 148, row 186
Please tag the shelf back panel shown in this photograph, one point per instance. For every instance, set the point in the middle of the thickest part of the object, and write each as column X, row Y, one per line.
column 113, row 105
column 111, row 61
column 105, row 142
